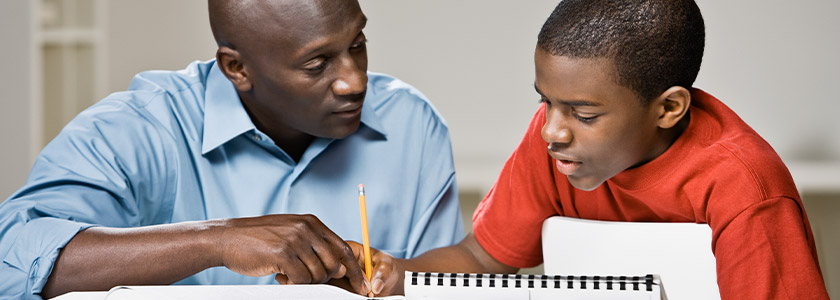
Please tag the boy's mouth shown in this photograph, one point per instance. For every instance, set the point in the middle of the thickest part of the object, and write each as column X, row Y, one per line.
column 567, row 167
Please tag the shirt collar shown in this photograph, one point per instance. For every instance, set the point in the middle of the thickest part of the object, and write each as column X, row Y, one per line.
column 225, row 118
column 369, row 116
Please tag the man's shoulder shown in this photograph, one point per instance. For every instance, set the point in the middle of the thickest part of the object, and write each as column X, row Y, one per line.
column 159, row 96
column 195, row 73
column 160, row 105
column 389, row 96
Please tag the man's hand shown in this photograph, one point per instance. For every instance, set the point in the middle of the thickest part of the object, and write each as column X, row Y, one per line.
column 388, row 272
column 298, row 248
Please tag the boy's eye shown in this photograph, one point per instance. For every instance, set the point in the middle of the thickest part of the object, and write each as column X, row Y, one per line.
column 585, row 118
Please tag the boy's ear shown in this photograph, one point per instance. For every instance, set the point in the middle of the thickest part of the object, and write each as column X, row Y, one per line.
column 671, row 106
column 230, row 63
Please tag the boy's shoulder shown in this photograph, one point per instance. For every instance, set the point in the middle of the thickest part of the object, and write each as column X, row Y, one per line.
column 722, row 145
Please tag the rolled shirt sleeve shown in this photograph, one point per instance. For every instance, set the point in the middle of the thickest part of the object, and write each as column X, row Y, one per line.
column 31, row 250
column 81, row 179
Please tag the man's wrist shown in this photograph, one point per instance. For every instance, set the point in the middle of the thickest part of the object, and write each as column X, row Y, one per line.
column 209, row 242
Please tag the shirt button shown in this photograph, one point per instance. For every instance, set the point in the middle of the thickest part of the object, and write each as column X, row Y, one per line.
column 257, row 137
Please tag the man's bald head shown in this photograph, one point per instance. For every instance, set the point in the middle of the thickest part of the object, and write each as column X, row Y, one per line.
column 234, row 22
column 299, row 67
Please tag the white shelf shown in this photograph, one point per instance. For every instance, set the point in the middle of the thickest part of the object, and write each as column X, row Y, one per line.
column 809, row 176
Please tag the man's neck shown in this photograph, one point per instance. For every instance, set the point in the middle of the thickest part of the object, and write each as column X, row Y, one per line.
column 292, row 141
column 293, row 146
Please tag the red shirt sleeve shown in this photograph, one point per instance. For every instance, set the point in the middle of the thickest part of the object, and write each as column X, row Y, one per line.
column 764, row 253
column 508, row 222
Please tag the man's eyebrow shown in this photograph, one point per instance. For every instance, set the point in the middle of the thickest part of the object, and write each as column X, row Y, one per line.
column 363, row 22
column 574, row 103
column 361, row 25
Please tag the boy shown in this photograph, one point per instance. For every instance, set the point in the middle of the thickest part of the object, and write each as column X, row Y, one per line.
column 628, row 139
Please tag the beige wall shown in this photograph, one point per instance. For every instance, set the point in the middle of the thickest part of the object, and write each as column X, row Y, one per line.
column 155, row 34
column 15, row 92
column 774, row 62
column 823, row 211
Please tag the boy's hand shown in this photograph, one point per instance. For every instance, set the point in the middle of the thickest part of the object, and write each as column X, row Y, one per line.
column 388, row 272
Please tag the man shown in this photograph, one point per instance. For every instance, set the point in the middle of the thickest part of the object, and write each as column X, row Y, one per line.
column 622, row 136
column 248, row 162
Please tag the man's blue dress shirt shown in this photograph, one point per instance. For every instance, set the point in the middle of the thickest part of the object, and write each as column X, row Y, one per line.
column 179, row 146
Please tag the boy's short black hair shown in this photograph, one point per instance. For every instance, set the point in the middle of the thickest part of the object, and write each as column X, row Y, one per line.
column 655, row 44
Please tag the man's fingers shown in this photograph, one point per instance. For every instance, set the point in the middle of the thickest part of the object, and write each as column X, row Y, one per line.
column 313, row 263
column 354, row 272
column 330, row 258
column 341, row 272
column 296, row 272
column 358, row 251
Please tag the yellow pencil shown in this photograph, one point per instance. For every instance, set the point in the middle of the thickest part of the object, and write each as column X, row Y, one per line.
column 365, row 237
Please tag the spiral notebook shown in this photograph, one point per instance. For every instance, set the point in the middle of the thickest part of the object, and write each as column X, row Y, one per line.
column 424, row 285
column 418, row 286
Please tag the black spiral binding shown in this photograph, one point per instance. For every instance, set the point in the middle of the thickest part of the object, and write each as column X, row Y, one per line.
column 535, row 281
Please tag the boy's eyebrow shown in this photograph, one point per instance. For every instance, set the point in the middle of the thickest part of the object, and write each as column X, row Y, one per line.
column 574, row 103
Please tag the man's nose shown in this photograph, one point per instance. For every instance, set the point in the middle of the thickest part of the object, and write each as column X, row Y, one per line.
column 351, row 79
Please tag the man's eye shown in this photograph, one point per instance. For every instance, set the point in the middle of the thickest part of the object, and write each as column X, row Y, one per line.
column 315, row 65
column 543, row 100
column 359, row 44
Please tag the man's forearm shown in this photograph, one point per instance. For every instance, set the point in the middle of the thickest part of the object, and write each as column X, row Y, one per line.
column 99, row 258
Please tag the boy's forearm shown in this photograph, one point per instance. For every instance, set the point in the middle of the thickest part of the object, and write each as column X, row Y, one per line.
column 465, row 257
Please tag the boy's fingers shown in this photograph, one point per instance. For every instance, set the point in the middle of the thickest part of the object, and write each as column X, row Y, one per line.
column 377, row 285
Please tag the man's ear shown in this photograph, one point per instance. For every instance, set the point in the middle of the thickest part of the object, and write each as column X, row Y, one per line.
column 230, row 63
column 671, row 106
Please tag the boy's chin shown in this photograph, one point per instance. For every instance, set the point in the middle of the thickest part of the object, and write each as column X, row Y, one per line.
column 585, row 183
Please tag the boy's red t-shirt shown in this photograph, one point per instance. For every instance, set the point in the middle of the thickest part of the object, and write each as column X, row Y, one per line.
column 719, row 172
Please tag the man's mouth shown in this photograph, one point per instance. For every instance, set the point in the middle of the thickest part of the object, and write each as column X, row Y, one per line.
column 349, row 111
